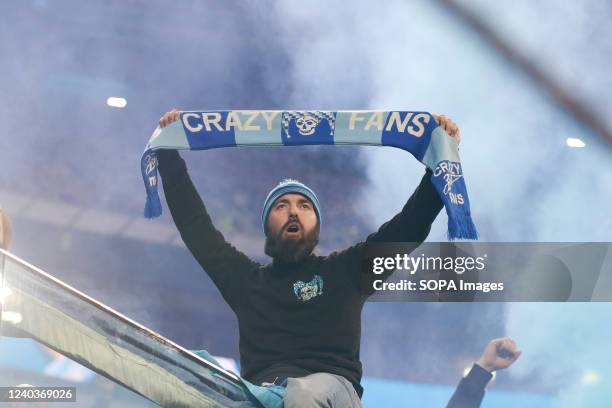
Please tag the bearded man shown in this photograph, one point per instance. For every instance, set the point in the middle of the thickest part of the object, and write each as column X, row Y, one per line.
column 299, row 317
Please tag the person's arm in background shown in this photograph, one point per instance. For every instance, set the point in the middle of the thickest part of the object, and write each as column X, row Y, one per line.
column 499, row 354
column 6, row 231
column 224, row 264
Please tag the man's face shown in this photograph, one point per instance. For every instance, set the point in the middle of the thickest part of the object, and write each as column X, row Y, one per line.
column 293, row 229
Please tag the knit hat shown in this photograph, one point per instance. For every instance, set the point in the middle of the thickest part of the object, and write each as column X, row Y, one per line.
column 289, row 186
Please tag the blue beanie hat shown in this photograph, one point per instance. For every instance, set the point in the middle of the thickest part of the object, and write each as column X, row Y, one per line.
column 289, row 186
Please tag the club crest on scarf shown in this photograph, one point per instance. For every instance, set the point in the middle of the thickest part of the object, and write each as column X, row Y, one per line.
column 150, row 167
column 307, row 290
column 314, row 127
column 451, row 173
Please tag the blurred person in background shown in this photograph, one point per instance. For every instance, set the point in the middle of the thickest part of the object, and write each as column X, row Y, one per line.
column 299, row 317
column 6, row 231
column 497, row 355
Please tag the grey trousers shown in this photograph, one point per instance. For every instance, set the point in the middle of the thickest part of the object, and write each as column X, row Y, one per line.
column 321, row 390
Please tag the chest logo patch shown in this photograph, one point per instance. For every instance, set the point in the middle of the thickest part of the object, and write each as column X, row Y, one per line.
column 307, row 290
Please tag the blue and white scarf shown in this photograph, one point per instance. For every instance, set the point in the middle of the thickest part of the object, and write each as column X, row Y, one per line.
column 415, row 132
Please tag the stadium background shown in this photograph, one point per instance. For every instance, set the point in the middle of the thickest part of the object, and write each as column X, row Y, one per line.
column 519, row 78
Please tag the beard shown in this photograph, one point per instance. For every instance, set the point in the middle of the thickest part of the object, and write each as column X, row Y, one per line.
column 291, row 250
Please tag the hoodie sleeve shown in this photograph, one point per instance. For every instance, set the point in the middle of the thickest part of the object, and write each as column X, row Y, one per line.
column 471, row 389
column 225, row 265
column 411, row 225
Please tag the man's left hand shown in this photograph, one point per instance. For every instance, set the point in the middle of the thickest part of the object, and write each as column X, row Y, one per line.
column 449, row 126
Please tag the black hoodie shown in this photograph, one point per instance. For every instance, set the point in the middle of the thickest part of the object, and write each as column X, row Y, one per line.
column 293, row 320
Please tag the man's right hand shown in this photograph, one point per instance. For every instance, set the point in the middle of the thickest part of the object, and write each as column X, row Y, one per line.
column 498, row 354
column 169, row 117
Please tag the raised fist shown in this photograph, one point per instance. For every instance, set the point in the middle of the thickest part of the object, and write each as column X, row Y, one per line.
column 499, row 354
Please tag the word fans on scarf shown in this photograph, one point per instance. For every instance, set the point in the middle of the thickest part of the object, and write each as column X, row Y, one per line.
column 416, row 132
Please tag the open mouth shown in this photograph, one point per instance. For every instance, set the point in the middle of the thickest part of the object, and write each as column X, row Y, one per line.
column 293, row 228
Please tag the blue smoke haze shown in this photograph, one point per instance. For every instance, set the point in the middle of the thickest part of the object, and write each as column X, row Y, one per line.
column 61, row 143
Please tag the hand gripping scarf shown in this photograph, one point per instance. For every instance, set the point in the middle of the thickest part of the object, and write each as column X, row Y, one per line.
column 415, row 132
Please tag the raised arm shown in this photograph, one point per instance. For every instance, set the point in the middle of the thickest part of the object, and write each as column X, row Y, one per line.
column 499, row 354
column 223, row 262
column 411, row 225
